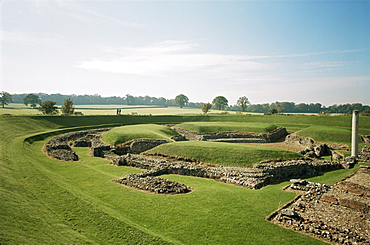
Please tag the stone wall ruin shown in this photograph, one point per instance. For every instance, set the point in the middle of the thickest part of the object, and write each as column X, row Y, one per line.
column 254, row 177
column 234, row 137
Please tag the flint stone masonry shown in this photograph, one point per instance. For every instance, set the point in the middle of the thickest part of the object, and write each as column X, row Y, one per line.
column 365, row 138
column 141, row 145
column 314, row 149
column 338, row 214
column 153, row 184
column 59, row 148
column 235, row 137
column 254, row 177
column 298, row 140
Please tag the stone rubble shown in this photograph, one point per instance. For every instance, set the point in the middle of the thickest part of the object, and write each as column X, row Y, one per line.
column 153, row 184
column 338, row 214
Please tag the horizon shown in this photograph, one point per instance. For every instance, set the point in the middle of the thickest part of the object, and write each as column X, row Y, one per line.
column 195, row 102
column 268, row 51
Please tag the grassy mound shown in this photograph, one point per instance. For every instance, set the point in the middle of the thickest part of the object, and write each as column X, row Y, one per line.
column 122, row 134
column 326, row 134
column 226, row 154
column 214, row 127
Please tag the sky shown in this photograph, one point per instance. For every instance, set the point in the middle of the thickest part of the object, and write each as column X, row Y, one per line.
column 295, row 51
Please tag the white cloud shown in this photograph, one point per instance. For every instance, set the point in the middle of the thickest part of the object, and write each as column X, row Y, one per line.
column 170, row 57
column 31, row 39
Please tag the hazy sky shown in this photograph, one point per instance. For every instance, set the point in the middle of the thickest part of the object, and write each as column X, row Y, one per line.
column 299, row 51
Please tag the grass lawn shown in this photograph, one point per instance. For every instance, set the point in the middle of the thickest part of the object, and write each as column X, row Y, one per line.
column 44, row 201
column 226, row 154
column 122, row 134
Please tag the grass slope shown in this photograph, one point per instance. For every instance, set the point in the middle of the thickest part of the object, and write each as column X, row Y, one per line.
column 213, row 127
column 44, row 201
column 227, row 154
column 122, row 134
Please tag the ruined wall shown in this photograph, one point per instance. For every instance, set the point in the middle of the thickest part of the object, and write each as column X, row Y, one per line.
column 58, row 147
column 235, row 137
column 249, row 177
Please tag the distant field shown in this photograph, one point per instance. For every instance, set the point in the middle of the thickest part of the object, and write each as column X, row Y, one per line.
column 20, row 109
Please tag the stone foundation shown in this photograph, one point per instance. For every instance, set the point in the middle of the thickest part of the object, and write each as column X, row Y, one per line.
column 235, row 137
column 255, row 177
column 338, row 214
column 58, row 147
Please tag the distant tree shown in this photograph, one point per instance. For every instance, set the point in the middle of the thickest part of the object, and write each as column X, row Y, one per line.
column 206, row 107
column 243, row 102
column 5, row 98
column 48, row 107
column 67, row 107
column 32, row 99
column 130, row 100
column 181, row 100
column 220, row 102
column 366, row 112
column 279, row 106
column 273, row 111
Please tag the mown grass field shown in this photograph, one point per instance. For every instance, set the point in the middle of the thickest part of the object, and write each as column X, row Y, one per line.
column 226, row 154
column 214, row 127
column 44, row 201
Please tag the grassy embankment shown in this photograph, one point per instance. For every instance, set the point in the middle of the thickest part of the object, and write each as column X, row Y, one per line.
column 44, row 201
column 122, row 134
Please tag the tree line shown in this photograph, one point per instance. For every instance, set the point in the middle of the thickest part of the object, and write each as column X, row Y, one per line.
column 218, row 103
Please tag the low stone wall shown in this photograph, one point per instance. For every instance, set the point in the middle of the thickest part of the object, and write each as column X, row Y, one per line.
column 141, row 145
column 299, row 141
column 365, row 138
column 188, row 134
column 58, row 147
column 235, row 137
column 254, row 177
column 312, row 149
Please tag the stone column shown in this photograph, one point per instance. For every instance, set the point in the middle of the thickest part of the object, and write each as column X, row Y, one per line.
column 354, row 146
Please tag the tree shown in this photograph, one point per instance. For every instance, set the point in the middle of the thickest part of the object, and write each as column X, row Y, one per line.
column 5, row 98
column 273, row 111
column 67, row 107
column 243, row 102
column 48, row 107
column 32, row 99
column 220, row 102
column 181, row 100
column 130, row 100
column 206, row 107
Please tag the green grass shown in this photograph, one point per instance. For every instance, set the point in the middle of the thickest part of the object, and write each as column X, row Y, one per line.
column 213, row 127
column 226, row 154
column 44, row 201
column 122, row 134
column 327, row 134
